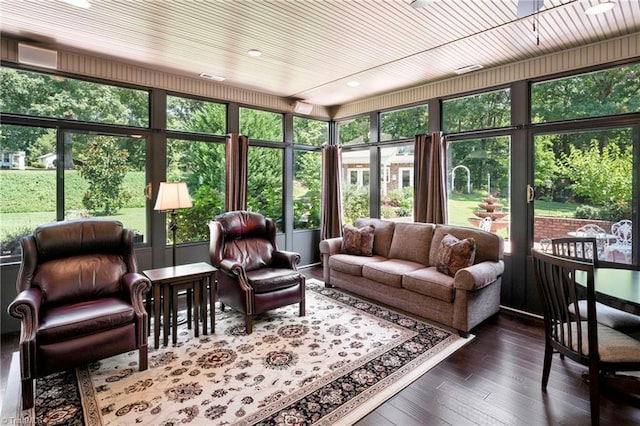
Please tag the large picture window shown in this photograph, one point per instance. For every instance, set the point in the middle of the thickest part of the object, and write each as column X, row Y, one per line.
column 310, row 132
column 403, row 123
column 202, row 166
column 43, row 95
column 355, row 185
column 396, row 182
column 608, row 92
column 193, row 115
column 354, row 131
column 265, row 183
column 584, row 187
column 478, row 177
column 488, row 110
column 307, row 171
column 28, row 166
column 261, row 125
column 105, row 176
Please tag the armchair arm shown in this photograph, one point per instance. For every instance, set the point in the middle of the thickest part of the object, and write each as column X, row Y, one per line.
column 136, row 286
column 235, row 270
column 286, row 259
column 478, row 276
column 331, row 245
column 25, row 307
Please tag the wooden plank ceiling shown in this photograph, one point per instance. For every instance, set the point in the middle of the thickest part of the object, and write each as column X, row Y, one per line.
column 312, row 48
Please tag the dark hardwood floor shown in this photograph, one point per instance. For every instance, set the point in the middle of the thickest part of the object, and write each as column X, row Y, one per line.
column 493, row 380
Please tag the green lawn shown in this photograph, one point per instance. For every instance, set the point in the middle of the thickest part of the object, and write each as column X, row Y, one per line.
column 462, row 206
column 28, row 199
column 36, row 193
column 12, row 223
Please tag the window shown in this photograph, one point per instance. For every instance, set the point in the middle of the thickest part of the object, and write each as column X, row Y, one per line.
column 265, row 183
column 478, row 173
column 396, row 182
column 105, row 176
column 43, row 95
column 310, row 132
column 192, row 115
column 609, row 92
column 403, row 123
column 307, row 182
column 261, row 125
column 354, row 131
column 28, row 166
column 202, row 166
column 585, row 179
column 307, row 171
column 489, row 110
column 355, row 185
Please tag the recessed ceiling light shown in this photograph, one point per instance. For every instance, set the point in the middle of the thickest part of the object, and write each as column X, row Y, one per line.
column 79, row 3
column 600, row 8
column 210, row 76
column 353, row 84
column 468, row 68
column 254, row 52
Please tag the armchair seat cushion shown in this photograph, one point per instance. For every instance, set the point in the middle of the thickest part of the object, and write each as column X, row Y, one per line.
column 80, row 319
column 266, row 280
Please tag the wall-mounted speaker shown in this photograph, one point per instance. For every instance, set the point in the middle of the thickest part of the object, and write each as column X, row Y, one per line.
column 37, row 56
column 302, row 108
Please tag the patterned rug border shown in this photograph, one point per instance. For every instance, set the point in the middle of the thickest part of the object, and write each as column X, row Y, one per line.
column 353, row 409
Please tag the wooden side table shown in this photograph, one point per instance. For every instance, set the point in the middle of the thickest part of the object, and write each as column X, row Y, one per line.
column 167, row 282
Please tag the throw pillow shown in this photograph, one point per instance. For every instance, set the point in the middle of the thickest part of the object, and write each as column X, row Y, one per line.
column 358, row 241
column 455, row 254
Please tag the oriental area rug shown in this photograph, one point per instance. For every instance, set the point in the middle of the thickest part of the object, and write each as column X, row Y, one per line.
column 332, row 366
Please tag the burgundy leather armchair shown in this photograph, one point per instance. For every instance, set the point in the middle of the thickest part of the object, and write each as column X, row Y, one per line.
column 80, row 298
column 253, row 275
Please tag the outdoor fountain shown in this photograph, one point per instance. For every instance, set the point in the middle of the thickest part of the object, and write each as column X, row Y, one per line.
column 490, row 208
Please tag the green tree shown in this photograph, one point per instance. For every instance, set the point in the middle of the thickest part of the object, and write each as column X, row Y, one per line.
column 608, row 92
column 355, row 203
column 354, row 131
column 104, row 165
column 485, row 111
column 601, row 176
column 265, row 191
column 307, row 182
column 403, row 123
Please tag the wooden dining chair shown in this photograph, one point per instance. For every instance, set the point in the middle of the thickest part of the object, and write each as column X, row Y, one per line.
column 579, row 337
column 576, row 248
column 582, row 249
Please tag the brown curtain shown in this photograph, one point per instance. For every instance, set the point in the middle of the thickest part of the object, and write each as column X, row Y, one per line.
column 331, row 203
column 430, row 186
column 236, row 162
column 437, row 195
column 420, row 177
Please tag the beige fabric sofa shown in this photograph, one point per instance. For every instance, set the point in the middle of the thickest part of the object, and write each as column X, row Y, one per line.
column 401, row 272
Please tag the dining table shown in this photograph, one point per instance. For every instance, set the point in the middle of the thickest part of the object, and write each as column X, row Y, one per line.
column 616, row 287
column 620, row 289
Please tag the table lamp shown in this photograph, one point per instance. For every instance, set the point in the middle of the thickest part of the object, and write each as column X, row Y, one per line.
column 173, row 196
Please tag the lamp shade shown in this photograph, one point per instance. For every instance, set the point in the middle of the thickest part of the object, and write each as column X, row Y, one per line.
column 172, row 196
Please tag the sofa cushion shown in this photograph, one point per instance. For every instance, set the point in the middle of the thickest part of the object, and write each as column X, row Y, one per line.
column 351, row 264
column 455, row 254
column 382, row 234
column 358, row 241
column 430, row 282
column 389, row 272
column 488, row 246
column 412, row 241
